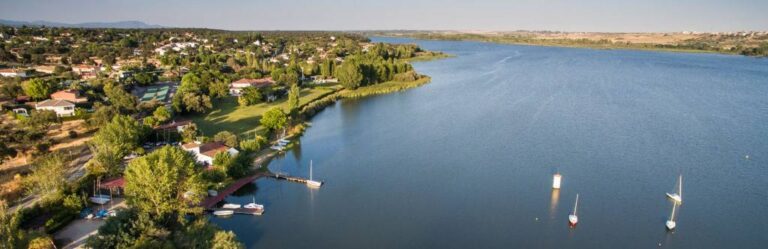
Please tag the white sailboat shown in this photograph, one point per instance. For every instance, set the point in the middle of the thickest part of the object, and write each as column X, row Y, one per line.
column 99, row 198
column 310, row 182
column 671, row 224
column 677, row 197
column 253, row 205
column 573, row 218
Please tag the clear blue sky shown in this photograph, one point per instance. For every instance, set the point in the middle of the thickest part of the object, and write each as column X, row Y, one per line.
column 564, row 15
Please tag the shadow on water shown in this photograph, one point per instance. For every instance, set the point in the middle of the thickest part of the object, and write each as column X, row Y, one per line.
column 247, row 189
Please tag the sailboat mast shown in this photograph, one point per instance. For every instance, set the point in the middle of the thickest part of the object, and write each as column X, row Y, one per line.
column 680, row 186
column 672, row 217
column 310, row 170
column 576, row 205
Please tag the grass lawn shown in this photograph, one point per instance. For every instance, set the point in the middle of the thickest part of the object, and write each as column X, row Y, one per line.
column 227, row 115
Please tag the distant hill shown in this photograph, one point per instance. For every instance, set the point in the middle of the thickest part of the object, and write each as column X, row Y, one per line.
column 115, row 25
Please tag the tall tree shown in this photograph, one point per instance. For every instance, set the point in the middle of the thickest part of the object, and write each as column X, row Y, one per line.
column 293, row 99
column 164, row 184
column 274, row 119
column 350, row 75
column 47, row 178
column 37, row 88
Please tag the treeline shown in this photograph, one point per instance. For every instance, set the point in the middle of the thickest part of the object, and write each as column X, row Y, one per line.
column 731, row 44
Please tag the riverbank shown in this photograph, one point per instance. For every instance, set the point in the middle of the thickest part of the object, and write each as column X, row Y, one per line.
column 310, row 108
column 664, row 42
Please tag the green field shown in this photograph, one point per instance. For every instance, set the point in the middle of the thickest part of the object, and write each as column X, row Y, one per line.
column 227, row 115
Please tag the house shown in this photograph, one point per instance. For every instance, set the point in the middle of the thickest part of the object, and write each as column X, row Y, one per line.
column 62, row 108
column 10, row 72
column 178, row 125
column 70, row 96
column 85, row 71
column 45, row 69
column 236, row 88
column 205, row 152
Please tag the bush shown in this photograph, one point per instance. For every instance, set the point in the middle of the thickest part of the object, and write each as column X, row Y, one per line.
column 72, row 134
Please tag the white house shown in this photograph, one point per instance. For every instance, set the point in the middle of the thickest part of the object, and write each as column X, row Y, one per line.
column 9, row 72
column 62, row 108
column 236, row 87
column 205, row 152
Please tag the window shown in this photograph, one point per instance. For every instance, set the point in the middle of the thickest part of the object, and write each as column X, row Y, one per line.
column 68, row 108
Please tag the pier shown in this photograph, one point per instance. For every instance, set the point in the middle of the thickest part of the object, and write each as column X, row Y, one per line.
column 210, row 202
column 288, row 178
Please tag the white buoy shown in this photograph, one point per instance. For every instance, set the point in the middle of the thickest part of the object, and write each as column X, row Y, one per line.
column 747, row 157
column 556, row 181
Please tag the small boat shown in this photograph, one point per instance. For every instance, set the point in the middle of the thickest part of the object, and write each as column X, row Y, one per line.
column 573, row 219
column 212, row 192
column 277, row 147
column 671, row 224
column 100, row 199
column 310, row 182
column 253, row 205
column 231, row 206
column 283, row 142
column 223, row 212
column 677, row 197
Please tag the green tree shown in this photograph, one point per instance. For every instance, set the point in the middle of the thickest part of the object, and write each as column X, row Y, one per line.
column 10, row 234
column 118, row 97
column 350, row 75
column 274, row 119
column 251, row 145
column 226, row 137
column 226, row 240
column 249, row 96
column 161, row 114
column 47, row 178
column 189, row 134
column 219, row 89
column 41, row 120
column 293, row 99
column 164, row 184
column 123, row 134
column 37, row 88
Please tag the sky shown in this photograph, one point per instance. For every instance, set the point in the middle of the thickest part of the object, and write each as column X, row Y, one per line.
column 480, row 15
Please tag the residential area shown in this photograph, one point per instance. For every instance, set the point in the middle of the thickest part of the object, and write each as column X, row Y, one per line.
column 90, row 114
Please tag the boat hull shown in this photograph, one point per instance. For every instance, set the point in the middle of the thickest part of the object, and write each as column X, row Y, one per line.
column 573, row 220
column 675, row 197
column 231, row 206
column 671, row 225
column 223, row 212
column 314, row 184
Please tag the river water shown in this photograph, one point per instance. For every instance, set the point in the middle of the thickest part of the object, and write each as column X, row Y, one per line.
column 467, row 160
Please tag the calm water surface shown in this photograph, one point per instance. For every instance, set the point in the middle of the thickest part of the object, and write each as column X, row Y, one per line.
column 467, row 160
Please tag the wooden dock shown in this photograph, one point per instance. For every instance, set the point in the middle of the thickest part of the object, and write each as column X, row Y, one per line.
column 288, row 178
column 210, row 202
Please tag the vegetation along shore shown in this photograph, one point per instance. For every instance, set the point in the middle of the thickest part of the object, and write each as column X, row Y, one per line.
column 742, row 43
column 154, row 121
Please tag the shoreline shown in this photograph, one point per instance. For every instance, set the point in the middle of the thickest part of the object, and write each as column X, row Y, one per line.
column 638, row 47
column 261, row 161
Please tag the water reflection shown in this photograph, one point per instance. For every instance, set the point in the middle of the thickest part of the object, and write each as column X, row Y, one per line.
column 553, row 203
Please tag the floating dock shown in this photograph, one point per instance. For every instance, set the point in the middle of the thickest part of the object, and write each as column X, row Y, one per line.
column 288, row 178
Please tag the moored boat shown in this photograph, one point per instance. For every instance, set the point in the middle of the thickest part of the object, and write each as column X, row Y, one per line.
column 231, row 206
column 310, row 182
column 223, row 212
column 573, row 218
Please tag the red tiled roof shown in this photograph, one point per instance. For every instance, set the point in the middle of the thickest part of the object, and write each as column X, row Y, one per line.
column 211, row 149
column 256, row 82
column 117, row 182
